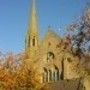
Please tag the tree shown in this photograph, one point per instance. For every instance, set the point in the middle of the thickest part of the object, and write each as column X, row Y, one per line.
column 80, row 34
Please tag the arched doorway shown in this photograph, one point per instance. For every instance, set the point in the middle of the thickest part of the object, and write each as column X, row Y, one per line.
column 45, row 75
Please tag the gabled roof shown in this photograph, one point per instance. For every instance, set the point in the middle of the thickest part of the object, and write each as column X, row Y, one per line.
column 51, row 34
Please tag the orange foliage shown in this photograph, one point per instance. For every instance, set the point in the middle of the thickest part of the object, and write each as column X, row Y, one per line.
column 14, row 74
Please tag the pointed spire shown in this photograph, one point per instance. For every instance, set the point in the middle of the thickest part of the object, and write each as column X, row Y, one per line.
column 33, row 24
column 33, row 7
column 32, row 37
column 33, row 4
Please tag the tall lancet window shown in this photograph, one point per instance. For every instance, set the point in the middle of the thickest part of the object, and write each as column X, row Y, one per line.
column 33, row 43
column 29, row 42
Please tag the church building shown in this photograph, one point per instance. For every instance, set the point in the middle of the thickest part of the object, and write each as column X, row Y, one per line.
column 49, row 56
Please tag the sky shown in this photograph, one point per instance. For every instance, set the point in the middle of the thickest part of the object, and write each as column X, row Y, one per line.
column 15, row 14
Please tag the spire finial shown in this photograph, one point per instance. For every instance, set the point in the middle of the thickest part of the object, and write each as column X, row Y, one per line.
column 33, row 3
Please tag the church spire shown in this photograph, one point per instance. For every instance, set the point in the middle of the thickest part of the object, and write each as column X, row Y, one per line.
column 33, row 27
column 32, row 34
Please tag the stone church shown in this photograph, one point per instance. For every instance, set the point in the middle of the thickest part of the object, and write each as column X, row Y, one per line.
column 49, row 55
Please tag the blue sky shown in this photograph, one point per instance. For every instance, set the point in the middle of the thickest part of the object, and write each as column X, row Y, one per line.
column 14, row 18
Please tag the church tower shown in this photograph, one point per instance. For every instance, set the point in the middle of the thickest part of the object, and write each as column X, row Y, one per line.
column 32, row 37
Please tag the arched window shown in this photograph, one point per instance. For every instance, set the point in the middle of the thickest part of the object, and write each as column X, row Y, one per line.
column 69, row 59
column 50, row 75
column 29, row 41
column 56, row 74
column 50, row 56
column 62, row 72
column 33, row 43
column 45, row 75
